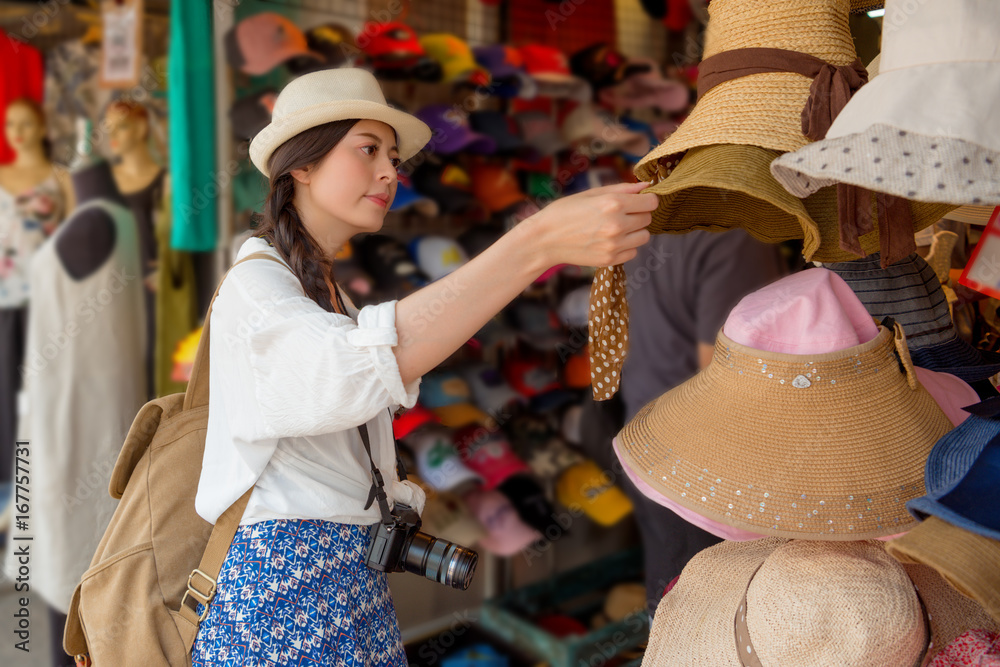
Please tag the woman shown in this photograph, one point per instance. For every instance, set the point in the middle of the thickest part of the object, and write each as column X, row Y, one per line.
column 295, row 371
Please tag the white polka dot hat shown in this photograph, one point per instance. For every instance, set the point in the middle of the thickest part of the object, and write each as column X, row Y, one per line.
column 805, row 603
column 927, row 127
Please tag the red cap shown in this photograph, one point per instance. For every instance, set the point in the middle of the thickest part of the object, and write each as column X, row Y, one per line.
column 545, row 61
column 395, row 39
column 408, row 422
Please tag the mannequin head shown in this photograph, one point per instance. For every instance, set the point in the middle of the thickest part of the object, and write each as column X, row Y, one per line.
column 128, row 127
column 25, row 127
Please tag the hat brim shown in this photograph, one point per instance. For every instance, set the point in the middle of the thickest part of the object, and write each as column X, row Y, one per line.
column 957, row 357
column 893, row 137
column 723, row 187
column 780, row 448
column 967, row 561
column 412, row 134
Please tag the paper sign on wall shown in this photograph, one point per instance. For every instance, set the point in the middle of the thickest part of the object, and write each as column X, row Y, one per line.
column 121, row 43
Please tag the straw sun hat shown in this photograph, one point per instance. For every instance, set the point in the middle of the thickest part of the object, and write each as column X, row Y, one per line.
column 825, row 439
column 776, row 602
column 330, row 95
column 714, row 173
column 925, row 129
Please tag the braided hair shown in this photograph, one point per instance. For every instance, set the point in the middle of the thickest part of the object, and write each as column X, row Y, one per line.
column 281, row 225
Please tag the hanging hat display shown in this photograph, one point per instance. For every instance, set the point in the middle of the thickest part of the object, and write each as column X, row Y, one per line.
column 809, row 422
column 925, row 129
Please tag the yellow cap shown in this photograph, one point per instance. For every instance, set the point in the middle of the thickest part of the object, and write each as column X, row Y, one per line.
column 587, row 486
column 453, row 54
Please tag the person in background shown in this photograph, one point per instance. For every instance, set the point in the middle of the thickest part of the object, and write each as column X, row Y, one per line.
column 680, row 290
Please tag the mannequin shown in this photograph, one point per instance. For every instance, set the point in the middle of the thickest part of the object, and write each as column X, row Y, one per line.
column 32, row 203
column 140, row 180
column 84, row 382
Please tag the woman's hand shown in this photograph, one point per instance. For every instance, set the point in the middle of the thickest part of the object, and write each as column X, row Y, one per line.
column 599, row 227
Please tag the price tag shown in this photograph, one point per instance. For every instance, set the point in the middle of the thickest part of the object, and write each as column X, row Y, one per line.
column 982, row 273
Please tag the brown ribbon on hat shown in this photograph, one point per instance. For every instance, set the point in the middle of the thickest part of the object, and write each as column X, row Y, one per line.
column 831, row 89
column 747, row 654
column 608, row 325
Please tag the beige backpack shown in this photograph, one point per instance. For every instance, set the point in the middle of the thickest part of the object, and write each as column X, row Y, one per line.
column 136, row 603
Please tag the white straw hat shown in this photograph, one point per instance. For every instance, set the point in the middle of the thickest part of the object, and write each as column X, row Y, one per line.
column 925, row 129
column 330, row 95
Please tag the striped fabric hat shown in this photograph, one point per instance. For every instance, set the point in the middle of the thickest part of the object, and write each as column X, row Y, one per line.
column 910, row 293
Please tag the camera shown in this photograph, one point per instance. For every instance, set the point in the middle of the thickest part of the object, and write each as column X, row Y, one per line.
column 400, row 547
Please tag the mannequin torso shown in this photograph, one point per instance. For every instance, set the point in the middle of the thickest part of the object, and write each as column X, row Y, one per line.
column 89, row 237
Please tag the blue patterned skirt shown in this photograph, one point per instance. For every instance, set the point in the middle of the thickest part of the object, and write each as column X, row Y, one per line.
column 298, row 592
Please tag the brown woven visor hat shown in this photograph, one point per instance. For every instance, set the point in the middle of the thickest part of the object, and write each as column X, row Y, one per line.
column 826, row 446
column 726, row 186
column 967, row 561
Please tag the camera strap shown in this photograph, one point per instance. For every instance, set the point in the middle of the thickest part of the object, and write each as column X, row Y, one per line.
column 377, row 492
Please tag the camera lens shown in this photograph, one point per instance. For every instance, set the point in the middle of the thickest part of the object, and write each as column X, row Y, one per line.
column 440, row 561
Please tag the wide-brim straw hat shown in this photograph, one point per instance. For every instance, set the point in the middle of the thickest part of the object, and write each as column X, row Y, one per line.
column 804, row 603
column 925, row 128
column 760, row 109
column 970, row 563
column 727, row 186
column 330, row 95
column 815, row 425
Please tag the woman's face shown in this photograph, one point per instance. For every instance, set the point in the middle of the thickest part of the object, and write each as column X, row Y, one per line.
column 23, row 129
column 125, row 132
column 351, row 189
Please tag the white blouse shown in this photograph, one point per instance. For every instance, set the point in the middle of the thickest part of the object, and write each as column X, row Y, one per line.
column 289, row 384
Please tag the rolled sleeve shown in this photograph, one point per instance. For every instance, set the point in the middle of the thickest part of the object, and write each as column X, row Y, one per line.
column 312, row 372
column 376, row 331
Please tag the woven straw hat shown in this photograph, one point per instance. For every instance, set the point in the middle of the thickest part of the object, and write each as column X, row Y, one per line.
column 329, row 95
column 970, row 563
column 724, row 187
column 804, row 442
column 924, row 129
column 761, row 109
column 805, row 603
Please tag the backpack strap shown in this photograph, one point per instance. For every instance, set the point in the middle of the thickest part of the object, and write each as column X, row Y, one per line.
column 201, row 581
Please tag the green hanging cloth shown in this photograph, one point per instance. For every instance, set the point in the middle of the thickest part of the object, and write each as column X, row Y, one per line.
column 191, row 98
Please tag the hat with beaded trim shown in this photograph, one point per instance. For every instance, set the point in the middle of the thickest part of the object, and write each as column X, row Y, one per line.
column 925, row 129
column 809, row 422
column 776, row 602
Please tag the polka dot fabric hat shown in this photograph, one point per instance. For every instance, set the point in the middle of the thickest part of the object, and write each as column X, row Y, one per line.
column 925, row 128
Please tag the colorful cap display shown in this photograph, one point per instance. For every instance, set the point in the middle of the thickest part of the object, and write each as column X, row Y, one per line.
column 406, row 423
column 455, row 58
column 587, row 486
column 603, row 66
column 407, row 197
column 437, row 256
column 489, row 389
column 438, row 462
column 446, row 516
column 506, row 533
column 487, row 452
column 441, row 388
column 451, row 132
column 334, row 42
column 386, row 259
column 261, row 42
column 496, row 187
column 447, row 184
column 458, row 415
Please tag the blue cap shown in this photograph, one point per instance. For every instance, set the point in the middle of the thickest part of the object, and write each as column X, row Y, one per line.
column 962, row 476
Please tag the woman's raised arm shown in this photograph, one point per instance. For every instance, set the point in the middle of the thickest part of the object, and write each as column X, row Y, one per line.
column 599, row 227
